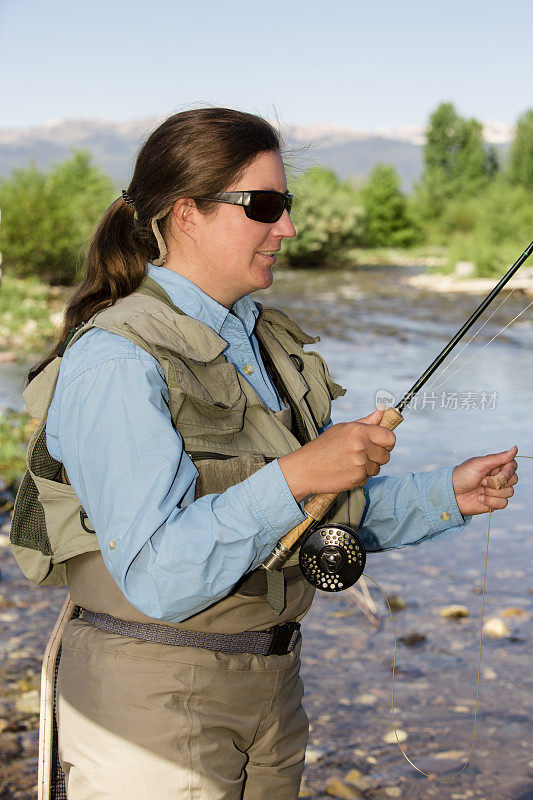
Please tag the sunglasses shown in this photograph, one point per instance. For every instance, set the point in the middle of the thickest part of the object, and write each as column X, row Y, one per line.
column 261, row 205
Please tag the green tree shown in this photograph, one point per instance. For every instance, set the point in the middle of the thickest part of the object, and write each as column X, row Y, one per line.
column 456, row 162
column 387, row 221
column 521, row 157
column 328, row 218
column 501, row 224
column 47, row 217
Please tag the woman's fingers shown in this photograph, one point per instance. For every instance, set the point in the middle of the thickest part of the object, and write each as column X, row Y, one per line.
column 505, row 491
column 494, row 503
column 372, row 469
column 379, row 455
column 507, row 469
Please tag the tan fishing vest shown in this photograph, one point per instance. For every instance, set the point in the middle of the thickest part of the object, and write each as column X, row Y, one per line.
column 227, row 430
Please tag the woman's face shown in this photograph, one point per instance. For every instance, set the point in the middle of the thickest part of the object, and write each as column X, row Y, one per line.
column 226, row 255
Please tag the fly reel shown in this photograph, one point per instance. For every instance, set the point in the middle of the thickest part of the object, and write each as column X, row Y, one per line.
column 332, row 557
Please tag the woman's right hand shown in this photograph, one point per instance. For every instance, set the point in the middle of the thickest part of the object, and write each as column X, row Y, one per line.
column 341, row 458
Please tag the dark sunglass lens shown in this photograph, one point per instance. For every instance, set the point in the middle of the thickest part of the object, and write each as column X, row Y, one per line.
column 267, row 206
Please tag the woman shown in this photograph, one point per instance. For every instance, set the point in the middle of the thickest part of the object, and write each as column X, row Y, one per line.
column 191, row 424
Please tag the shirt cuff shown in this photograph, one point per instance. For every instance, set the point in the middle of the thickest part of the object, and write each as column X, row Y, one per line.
column 272, row 500
column 438, row 501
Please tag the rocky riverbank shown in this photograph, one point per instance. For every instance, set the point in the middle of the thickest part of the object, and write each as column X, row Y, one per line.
column 522, row 283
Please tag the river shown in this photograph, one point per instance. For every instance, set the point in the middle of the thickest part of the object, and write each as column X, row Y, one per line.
column 378, row 335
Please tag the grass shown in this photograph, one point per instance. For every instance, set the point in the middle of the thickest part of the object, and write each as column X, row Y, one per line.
column 15, row 431
column 30, row 312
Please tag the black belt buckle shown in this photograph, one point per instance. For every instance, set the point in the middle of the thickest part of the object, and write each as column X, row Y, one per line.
column 281, row 639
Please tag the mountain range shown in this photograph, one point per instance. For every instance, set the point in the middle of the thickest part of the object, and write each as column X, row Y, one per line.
column 350, row 153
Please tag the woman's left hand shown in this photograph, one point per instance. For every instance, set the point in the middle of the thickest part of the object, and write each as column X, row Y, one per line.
column 473, row 488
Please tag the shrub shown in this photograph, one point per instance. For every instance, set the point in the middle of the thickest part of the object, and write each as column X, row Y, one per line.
column 47, row 217
column 328, row 218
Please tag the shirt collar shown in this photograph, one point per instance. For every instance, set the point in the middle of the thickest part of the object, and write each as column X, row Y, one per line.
column 187, row 296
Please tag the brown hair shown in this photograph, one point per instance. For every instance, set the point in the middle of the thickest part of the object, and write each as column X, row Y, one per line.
column 195, row 153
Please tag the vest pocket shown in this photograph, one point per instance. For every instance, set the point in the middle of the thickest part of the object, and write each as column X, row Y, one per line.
column 205, row 420
column 201, row 414
column 69, row 532
column 216, row 472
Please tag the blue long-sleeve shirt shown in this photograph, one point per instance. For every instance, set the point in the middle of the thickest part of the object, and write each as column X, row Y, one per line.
column 171, row 555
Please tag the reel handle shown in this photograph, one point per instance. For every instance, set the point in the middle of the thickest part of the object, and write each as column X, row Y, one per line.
column 316, row 507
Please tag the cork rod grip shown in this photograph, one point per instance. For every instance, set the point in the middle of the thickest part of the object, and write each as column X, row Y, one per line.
column 316, row 507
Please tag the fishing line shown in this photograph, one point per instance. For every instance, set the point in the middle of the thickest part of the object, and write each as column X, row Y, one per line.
column 418, row 769
column 484, row 346
column 431, row 385
column 447, row 367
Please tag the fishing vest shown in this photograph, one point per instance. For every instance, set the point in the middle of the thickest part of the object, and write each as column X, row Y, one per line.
column 227, row 431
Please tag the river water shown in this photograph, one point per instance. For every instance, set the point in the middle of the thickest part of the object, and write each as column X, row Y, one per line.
column 378, row 335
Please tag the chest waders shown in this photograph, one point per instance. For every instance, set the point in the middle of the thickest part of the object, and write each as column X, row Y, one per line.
column 228, row 432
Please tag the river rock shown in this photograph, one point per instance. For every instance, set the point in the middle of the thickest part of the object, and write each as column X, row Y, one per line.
column 30, row 680
column 28, row 702
column 314, row 754
column 353, row 776
column 496, row 628
column 454, row 612
column 412, row 638
column 11, row 749
column 361, row 782
column 337, row 788
column 514, row 611
column 393, row 791
column 396, row 602
column 464, row 269
column 366, row 699
column 7, row 355
column 488, row 674
column 338, row 614
column 390, row 737
column 451, row 755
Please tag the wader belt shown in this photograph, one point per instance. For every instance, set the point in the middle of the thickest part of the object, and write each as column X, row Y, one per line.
column 279, row 640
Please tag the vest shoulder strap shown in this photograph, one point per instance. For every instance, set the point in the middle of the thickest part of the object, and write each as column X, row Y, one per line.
column 39, row 392
column 148, row 318
column 153, row 289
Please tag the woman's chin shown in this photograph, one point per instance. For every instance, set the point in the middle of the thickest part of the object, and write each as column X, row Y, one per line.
column 264, row 278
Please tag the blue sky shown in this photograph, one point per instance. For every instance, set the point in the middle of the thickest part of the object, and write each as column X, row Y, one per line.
column 344, row 62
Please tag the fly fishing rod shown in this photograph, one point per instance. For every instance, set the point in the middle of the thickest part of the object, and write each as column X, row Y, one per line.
column 332, row 557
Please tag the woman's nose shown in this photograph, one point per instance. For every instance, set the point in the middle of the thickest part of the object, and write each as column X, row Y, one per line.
column 284, row 226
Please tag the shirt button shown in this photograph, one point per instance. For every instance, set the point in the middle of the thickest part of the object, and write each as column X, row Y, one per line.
column 445, row 516
column 112, row 544
column 248, row 369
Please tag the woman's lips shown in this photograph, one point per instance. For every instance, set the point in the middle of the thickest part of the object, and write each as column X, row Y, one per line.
column 271, row 257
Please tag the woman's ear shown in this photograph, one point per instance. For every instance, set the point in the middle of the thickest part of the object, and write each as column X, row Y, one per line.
column 185, row 216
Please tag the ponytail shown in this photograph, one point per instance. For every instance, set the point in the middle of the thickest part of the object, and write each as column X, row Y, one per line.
column 114, row 268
